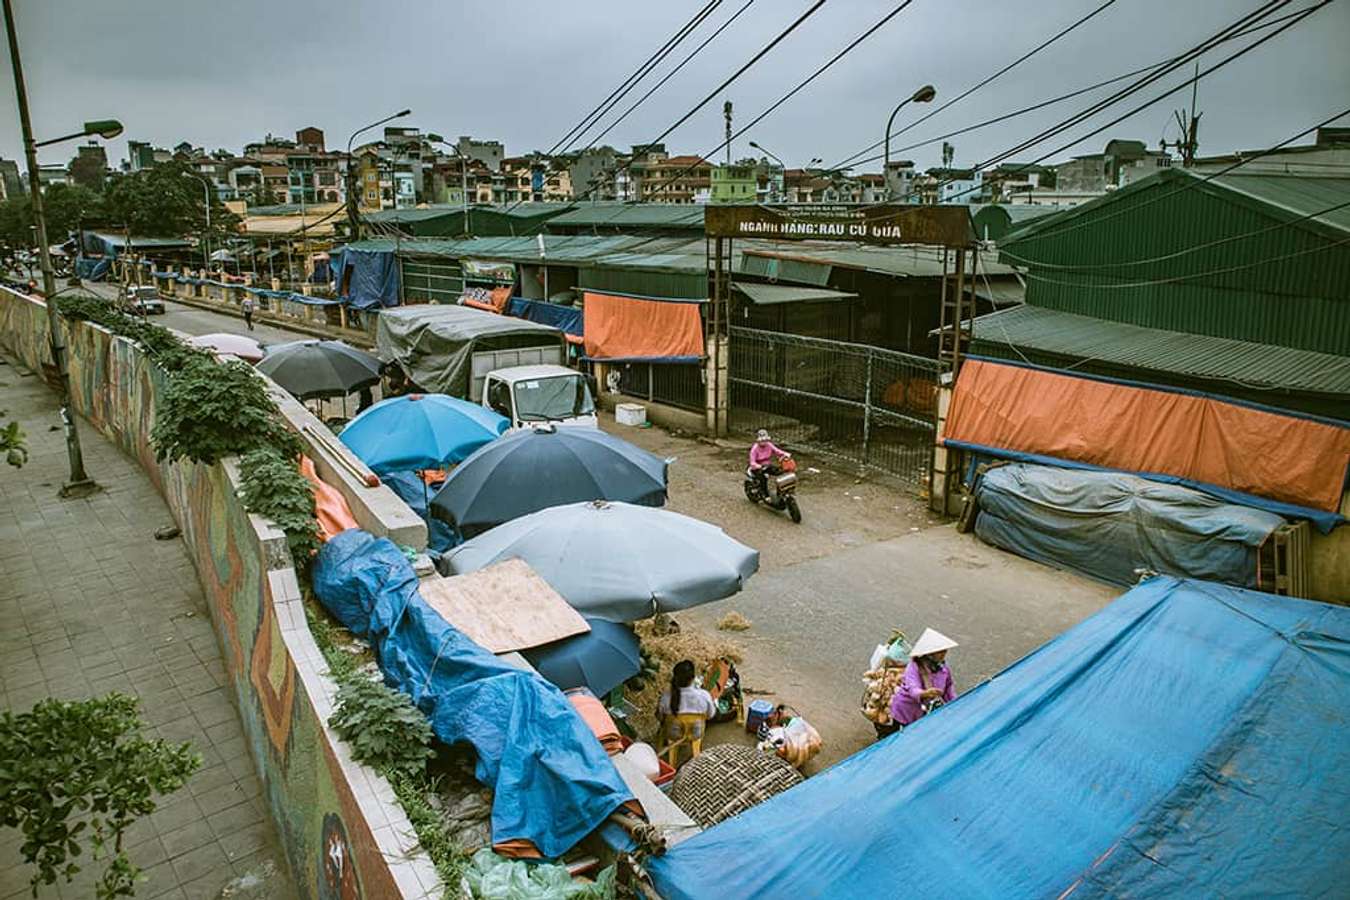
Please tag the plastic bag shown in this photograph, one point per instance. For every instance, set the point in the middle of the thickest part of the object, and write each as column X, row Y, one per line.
column 493, row 877
column 877, row 656
column 644, row 757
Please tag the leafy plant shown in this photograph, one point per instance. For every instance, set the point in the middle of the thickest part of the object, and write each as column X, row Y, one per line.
column 273, row 487
column 75, row 771
column 385, row 730
column 214, row 409
column 446, row 854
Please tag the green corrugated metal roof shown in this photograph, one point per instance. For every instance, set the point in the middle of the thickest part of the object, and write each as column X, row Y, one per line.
column 619, row 251
column 901, row 262
column 771, row 294
column 1240, row 363
column 631, row 215
column 993, row 221
column 1239, row 256
column 121, row 240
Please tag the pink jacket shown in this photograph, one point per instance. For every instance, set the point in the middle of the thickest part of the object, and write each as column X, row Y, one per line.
column 761, row 454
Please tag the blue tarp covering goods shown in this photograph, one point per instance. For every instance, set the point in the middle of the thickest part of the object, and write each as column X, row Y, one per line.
column 552, row 782
column 92, row 268
column 366, row 278
column 1107, row 525
column 1189, row 740
column 566, row 319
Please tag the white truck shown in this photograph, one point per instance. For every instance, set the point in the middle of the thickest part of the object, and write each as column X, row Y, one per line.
column 510, row 365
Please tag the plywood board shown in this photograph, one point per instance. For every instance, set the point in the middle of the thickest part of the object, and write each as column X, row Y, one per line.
column 504, row 607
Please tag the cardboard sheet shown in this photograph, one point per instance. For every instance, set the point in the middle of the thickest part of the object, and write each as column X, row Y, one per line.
column 1135, row 429
column 503, row 607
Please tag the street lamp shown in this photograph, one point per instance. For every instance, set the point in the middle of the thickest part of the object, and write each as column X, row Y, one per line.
column 79, row 483
column 924, row 94
column 776, row 159
column 463, row 177
column 351, row 196
column 206, row 236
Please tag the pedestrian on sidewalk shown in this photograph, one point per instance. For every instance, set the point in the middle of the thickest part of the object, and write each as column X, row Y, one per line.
column 247, row 307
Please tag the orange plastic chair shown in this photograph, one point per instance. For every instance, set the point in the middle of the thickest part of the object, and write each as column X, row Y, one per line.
column 691, row 734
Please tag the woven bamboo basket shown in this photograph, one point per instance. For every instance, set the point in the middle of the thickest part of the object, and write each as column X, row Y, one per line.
column 727, row 779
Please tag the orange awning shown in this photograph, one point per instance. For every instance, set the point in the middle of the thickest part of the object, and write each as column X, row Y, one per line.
column 630, row 329
column 1151, row 431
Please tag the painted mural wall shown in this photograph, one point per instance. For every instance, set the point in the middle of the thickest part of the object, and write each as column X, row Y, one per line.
column 344, row 835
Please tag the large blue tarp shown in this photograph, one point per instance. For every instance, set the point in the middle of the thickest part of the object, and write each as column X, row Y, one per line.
column 1107, row 525
column 566, row 319
column 1189, row 740
column 366, row 279
column 92, row 268
column 552, row 782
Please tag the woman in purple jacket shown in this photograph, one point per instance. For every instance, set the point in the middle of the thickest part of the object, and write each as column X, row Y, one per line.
column 928, row 682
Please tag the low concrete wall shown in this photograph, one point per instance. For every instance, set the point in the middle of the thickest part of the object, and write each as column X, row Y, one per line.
column 302, row 317
column 342, row 830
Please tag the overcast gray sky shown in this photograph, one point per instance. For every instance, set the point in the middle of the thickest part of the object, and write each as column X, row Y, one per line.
column 220, row 74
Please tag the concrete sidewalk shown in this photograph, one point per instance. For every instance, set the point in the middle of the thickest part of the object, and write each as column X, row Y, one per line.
column 90, row 603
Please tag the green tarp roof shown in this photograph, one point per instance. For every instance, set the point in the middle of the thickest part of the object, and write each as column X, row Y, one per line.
column 1241, row 363
column 619, row 251
column 902, row 262
column 771, row 294
column 121, row 240
column 439, row 210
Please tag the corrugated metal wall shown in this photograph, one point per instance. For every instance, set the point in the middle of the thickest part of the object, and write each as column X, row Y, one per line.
column 679, row 285
column 1286, row 285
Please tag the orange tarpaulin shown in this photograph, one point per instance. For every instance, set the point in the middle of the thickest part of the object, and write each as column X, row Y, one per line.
column 625, row 328
column 1135, row 429
column 330, row 507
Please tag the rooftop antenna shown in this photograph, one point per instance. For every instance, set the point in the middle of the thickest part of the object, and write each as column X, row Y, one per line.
column 726, row 111
column 1188, row 143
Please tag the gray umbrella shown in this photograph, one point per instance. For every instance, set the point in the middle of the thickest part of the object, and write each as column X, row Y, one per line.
column 319, row 368
column 617, row 561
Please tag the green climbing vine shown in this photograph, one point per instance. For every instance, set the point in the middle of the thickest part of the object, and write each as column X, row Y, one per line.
column 211, row 409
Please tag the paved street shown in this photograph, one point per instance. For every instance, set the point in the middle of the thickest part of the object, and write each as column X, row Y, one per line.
column 191, row 320
column 867, row 558
column 92, row 603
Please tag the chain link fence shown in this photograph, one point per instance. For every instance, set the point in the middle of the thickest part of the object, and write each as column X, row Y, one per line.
column 873, row 407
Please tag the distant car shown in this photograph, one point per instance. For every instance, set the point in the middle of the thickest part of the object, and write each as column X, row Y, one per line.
column 144, row 301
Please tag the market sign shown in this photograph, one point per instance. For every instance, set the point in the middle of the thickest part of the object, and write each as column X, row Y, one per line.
column 947, row 226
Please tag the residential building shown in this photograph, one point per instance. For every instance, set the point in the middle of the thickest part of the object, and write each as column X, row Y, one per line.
column 11, row 184
column 675, row 179
column 1004, row 182
column 590, row 173
column 734, row 183
column 872, row 188
column 310, row 139
column 899, row 178
column 141, row 155
column 489, row 153
column 1121, row 163
column 53, row 174
column 955, row 185
column 1329, row 154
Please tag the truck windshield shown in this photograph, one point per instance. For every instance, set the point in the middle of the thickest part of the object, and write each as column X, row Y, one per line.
column 557, row 397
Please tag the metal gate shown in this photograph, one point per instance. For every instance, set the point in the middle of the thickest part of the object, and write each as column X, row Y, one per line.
column 866, row 405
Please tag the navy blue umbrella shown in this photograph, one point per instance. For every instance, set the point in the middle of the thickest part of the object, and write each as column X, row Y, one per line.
column 548, row 466
column 602, row 659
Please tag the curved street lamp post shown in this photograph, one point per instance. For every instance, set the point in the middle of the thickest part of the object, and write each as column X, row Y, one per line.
column 924, row 94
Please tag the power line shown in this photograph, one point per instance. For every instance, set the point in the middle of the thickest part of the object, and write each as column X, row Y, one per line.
column 627, row 84
column 1098, row 107
column 1053, row 100
column 737, row 74
column 1051, row 232
column 783, row 99
column 1021, row 59
column 672, row 72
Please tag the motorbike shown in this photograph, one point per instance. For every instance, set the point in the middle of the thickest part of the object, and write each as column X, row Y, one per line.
column 777, row 489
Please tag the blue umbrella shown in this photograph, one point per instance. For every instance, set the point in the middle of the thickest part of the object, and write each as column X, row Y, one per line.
column 547, row 466
column 420, row 431
column 602, row 659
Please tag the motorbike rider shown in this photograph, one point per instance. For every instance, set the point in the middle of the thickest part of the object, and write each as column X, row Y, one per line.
column 763, row 455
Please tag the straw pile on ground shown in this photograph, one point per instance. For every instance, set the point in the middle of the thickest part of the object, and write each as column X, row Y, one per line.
column 668, row 649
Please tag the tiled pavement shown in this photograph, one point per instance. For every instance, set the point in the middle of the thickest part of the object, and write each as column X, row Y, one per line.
column 91, row 602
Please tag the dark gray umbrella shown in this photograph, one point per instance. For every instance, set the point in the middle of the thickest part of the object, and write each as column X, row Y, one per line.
column 537, row 468
column 320, row 368
column 602, row 659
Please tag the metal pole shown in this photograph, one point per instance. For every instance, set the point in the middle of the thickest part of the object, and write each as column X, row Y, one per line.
column 886, row 158
column 79, row 480
column 206, row 238
column 867, row 411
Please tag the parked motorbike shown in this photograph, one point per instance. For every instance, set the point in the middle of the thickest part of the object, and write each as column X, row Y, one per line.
column 776, row 489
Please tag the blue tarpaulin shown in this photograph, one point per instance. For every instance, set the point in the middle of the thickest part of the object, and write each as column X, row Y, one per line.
column 92, row 268
column 413, row 491
column 366, row 278
column 566, row 319
column 552, row 782
column 1189, row 740
column 1107, row 525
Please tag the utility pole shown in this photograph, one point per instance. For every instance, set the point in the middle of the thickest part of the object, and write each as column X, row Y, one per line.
column 1189, row 141
column 79, row 483
column 726, row 111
